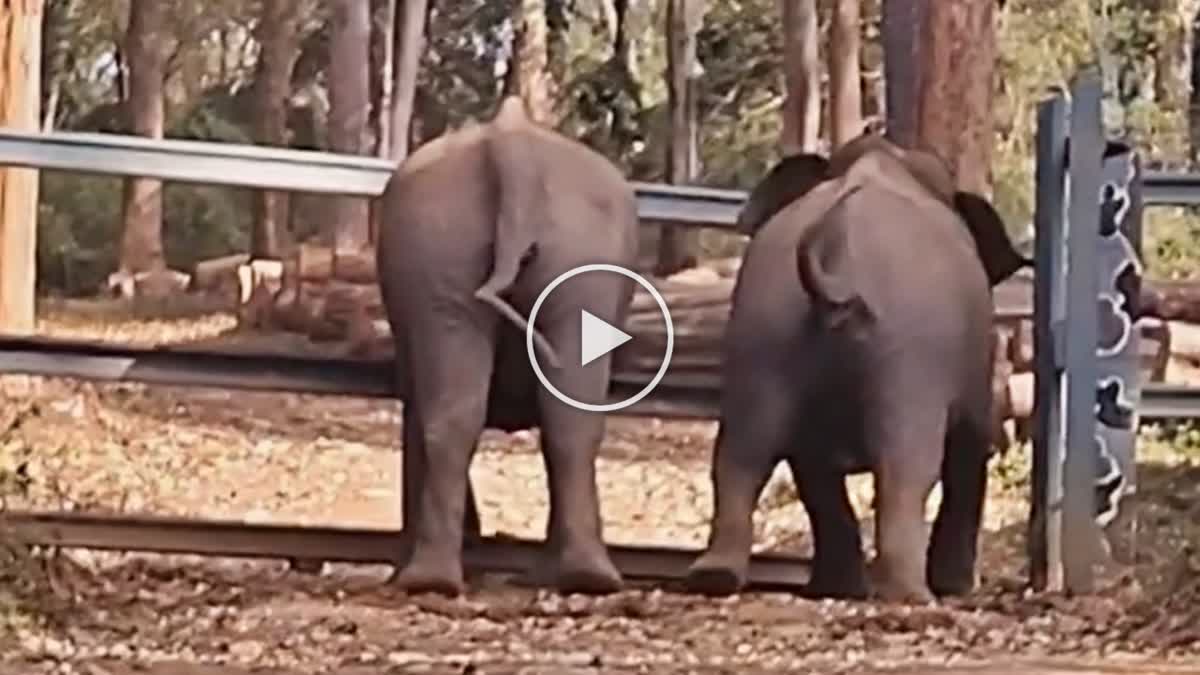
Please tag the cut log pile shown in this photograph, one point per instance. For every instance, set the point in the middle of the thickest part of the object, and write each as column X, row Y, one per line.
column 335, row 300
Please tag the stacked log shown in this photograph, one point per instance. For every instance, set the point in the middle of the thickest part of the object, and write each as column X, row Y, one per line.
column 334, row 299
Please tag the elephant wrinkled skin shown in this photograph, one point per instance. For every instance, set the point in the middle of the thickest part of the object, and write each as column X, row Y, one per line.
column 859, row 340
column 476, row 223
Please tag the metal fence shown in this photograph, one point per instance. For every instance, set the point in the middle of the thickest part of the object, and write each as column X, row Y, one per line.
column 1066, row 333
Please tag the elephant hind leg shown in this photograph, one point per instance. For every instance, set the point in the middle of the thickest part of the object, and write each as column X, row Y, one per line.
column 750, row 441
column 451, row 371
column 412, row 476
column 954, row 540
column 839, row 570
column 908, row 446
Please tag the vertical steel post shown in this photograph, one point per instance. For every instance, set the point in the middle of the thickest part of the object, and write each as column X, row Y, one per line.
column 1118, row 368
column 1085, row 154
column 1043, row 537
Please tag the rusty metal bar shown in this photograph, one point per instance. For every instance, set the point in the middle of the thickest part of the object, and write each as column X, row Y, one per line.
column 502, row 555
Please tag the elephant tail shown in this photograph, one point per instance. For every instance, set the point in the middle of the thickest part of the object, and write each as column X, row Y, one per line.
column 546, row 351
column 519, row 214
column 823, row 261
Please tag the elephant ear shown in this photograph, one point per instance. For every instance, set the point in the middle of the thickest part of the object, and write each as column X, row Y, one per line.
column 792, row 178
column 823, row 257
column 1000, row 258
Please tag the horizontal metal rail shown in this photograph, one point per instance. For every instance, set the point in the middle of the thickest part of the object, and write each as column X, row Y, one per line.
column 346, row 377
column 683, row 399
column 265, row 167
column 213, row 163
column 690, row 205
column 504, row 555
column 1163, row 188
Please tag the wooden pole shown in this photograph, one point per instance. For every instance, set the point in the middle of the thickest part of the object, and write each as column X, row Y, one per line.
column 21, row 49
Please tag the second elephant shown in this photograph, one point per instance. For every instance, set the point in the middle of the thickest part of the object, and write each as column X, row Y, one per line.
column 859, row 340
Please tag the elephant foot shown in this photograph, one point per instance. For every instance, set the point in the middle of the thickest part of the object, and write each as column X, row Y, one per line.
column 716, row 575
column 840, row 584
column 430, row 576
column 591, row 574
column 891, row 587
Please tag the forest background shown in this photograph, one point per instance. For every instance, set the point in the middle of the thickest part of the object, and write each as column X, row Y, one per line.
column 331, row 75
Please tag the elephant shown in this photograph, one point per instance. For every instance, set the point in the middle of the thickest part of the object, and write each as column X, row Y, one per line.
column 475, row 224
column 859, row 340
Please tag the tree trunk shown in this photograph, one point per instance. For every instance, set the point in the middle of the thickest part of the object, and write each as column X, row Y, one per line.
column 845, row 73
column 529, row 67
column 802, row 75
column 410, row 42
column 349, row 107
column 900, row 27
column 279, row 36
column 386, row 31
column 955, row 112
column 677, row 245
column 21, row 48
column 1194, row 96
column 146, row 48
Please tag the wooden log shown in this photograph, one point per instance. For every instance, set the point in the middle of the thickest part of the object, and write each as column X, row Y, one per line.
column 355, row 266
column 347, row 311
column 266, row 273
column 314, row 262
column 211, row 274
column 1020, row 395
column 150, row 284
column 255, row 312
column 342, row 297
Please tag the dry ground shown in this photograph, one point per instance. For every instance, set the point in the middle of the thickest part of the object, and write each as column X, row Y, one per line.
column 285, row 457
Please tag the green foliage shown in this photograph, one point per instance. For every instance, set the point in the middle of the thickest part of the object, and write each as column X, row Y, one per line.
column 614, row 102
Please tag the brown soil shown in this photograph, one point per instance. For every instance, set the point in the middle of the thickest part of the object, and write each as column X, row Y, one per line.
column 265, row 456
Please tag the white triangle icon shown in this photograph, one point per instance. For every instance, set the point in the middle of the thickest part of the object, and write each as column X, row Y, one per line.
column 598, row 337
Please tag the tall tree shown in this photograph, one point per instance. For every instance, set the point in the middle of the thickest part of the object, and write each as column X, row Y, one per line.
column 410, row 42
column 677, row 245
column 1194, row 96
column 845, row 73
column 383, row 64
column 900, row 26
column 278, row 33
column 20, row 47
column 802, row 75
column 957, row 64
column 349, row 107
column 529, row 66
column 147, row 45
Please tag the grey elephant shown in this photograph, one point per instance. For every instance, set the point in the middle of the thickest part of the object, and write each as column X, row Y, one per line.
column 475, row 225
column 860, row 340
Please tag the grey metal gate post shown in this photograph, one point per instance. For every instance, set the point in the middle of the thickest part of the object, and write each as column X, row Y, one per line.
column 1087, row 282
column 1044, row 534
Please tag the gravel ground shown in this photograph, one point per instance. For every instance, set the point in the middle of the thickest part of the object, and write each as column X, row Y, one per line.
column 290, row 458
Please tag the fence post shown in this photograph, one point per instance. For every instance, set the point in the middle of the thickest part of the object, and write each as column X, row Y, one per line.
column 1118, row 369
column 1085, row 154
column 1043, row 537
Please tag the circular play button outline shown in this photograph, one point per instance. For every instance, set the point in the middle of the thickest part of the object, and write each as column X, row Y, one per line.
column 598, row 407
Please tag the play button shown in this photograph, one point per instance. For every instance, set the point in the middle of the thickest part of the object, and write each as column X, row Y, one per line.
column 598, row 337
